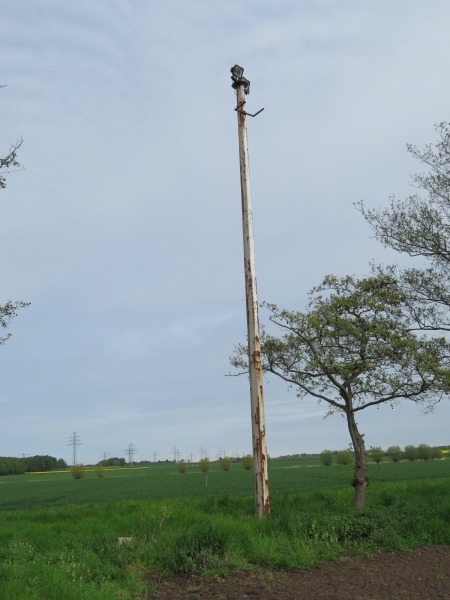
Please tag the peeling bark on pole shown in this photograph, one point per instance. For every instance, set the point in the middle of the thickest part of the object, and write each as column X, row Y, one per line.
column 262, row 497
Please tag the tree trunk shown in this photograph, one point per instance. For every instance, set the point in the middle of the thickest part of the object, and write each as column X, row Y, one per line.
column 360, row 478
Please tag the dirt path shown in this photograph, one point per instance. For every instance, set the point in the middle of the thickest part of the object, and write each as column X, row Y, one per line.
column 423, row 574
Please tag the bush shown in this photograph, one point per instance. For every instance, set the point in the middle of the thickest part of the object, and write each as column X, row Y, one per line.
column 204, row 465
column 376, row 454
column 410, row 453
column 342, row 529
column 78, row 471
column 394, row 453
column 182, row 467
column 100, row 472
column 225, row 463
column 247, row 462
column 344, row 458
column 326, row 458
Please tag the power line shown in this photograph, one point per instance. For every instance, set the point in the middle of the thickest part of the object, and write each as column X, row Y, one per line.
column 130, row 451
column 74, row 441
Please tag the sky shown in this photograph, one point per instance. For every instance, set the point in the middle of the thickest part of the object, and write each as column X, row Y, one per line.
column 123, row 229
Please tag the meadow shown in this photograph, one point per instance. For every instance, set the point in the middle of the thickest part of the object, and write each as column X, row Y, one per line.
column 59, row 536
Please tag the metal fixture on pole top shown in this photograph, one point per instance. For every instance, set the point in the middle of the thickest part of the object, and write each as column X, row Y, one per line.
column 262, row 495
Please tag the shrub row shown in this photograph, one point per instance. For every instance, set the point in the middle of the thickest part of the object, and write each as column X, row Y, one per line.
column 225, row 464
column 377, row 454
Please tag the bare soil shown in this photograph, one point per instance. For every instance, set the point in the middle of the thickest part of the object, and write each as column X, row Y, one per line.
column 423, row 573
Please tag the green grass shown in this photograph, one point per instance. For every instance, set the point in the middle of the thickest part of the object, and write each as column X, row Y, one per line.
column 59, row 536
column 36, row 490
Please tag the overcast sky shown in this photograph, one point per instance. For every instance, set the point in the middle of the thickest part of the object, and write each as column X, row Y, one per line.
column 124, row 228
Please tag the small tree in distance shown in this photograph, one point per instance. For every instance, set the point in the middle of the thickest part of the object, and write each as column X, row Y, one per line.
column 410, row 453
column 78, row 471
column 182, row 467
column 225, row 463
column 424, row 452
column 376, row 454
column 345, row 457
column 326, row 457
column 247, row 462
column 204, row 465
column 394, row 453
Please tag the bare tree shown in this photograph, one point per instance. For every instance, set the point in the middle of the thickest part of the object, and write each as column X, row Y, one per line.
column 9, row 310
column 419, row 226
column 9, row 162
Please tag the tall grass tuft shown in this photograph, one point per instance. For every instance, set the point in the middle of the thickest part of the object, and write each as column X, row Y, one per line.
column 201, row 547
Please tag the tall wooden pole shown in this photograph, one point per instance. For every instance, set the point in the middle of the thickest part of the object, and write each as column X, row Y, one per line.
column 262, row 495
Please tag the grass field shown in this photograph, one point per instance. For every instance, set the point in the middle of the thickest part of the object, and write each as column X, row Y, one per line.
column 59, row 536
column 37, row 490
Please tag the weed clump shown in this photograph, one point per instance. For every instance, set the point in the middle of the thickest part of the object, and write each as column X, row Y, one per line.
column 201, row 548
